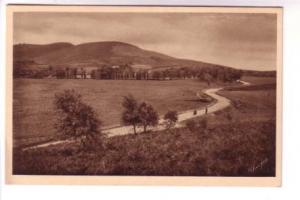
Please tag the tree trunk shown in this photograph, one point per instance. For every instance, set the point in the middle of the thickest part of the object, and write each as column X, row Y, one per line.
column 134, row 128
column 145, row 128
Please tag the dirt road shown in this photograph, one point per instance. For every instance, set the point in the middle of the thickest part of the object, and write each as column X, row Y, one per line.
column 219, row 104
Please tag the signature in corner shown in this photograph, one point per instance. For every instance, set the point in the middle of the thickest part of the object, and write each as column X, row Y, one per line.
column 258, row 166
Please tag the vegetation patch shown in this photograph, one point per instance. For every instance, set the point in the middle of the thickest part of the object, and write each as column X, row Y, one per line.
column 243, row 149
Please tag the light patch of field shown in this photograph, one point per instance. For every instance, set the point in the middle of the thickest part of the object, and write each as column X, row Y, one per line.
column 259, row 80
column 34, row 114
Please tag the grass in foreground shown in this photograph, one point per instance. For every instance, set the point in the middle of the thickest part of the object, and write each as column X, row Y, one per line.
column 244, row 149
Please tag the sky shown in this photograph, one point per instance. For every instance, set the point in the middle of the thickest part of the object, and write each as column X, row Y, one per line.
column 240, row 40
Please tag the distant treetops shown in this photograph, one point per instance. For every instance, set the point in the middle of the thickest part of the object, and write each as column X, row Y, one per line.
column 127, row 72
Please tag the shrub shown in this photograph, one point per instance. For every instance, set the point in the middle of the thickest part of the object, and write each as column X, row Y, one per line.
column 76, row 119
column 202, row 123
column 171, row 117
column 229, row 117
column 191, row 125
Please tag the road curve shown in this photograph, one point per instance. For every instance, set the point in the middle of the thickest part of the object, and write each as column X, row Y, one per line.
column 219, row 104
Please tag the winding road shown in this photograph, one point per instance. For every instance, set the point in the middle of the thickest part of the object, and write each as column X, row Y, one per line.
column 219, row 104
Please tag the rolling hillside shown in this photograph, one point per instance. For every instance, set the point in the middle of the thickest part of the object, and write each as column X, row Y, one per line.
column 97, row 54
column 33, row 51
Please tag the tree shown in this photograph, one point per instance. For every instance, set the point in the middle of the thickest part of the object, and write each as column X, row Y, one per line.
column 67, row 72
column 157, row 75
column 60, row 74
column 93, row 74
column 74, row 73
column 136, row 114
column 171, row 117
column 148, row 116
column 207, row 78
column 77, row 120
column 50, row 68
column 131, row 115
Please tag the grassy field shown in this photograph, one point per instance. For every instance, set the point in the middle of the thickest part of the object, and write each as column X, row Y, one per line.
column 254, row 103
column 34, row 114
column 238, row 141
column 259, row 80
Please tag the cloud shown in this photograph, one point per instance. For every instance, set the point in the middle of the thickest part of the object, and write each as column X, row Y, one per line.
column 238, row 40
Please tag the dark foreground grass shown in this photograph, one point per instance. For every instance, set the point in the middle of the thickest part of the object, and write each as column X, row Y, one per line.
column 242, row 149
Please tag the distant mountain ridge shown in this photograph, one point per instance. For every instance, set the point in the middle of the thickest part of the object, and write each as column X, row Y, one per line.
column 32, row 51
column 95, row 54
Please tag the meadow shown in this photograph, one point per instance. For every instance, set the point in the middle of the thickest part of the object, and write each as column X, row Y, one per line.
column 237, row 141
column 259, row 80
column 34, row 114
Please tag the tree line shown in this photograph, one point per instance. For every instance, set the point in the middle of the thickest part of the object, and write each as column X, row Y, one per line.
column 127, row 72
column 208, row 74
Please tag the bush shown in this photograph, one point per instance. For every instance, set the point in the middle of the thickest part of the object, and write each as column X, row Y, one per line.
column 76, row 119
column 171, row 117
column 194, row 125
column 229, row 117
column 191, row 125
column 202, row 123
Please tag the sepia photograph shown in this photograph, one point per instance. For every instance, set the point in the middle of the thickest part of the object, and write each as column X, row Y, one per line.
column 144, row 95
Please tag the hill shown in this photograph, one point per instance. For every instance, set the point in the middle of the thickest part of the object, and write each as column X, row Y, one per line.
column 32, row 51
column 31, row 59
column 96, row 54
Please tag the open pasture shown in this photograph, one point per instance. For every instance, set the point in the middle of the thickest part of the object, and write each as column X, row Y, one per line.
column 259, row 80
column 34, row 113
